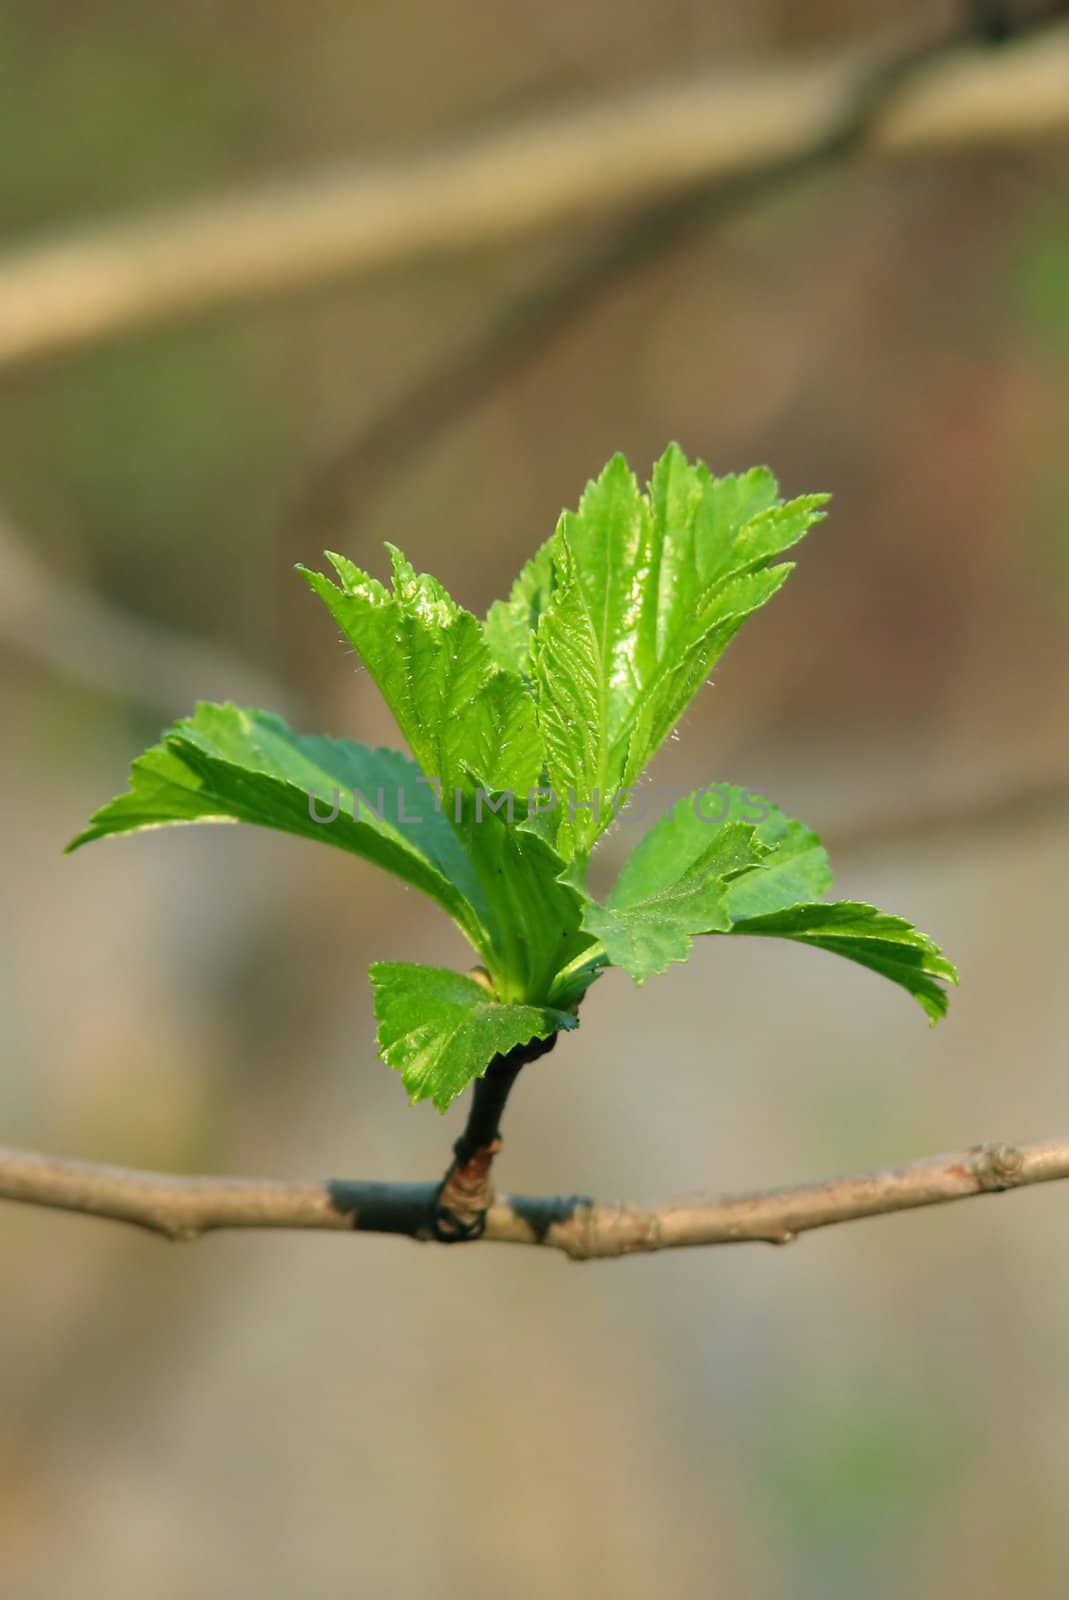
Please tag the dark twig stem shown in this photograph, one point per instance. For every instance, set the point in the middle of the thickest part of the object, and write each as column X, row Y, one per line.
column 465, row 1193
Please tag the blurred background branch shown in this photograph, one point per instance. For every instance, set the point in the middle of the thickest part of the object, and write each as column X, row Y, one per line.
column 941, row 91
column 64, row 627
column 60, row 295
column 1032, row 801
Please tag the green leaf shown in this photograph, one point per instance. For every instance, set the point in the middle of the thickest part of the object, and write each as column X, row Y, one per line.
column 794, row 864
column 510, row 624
column 462, row 715
column 226, row 764
column 442, row 1030
column 650, row 918
column 885, row 944
column 689, row 876
column 720, row 853
column 650, row 590
column 796, row 869
column 533, row 919
column 472, row 726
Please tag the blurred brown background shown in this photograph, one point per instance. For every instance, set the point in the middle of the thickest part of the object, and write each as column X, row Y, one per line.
column 882, row 1410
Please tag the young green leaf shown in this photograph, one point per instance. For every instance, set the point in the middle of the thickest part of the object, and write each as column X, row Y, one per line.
column 472, row 726
column 441, row 1030
column 721, row 852
column 649, row 592
column 651, row 916
column 533, row 919
column 668, row 890
column 885, row 944
column 226, row 764
column 794, row 863
column 463, row 716
column 797, row 869
column 510, row 624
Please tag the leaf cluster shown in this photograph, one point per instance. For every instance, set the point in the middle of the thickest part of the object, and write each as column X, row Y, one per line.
column 529, row 732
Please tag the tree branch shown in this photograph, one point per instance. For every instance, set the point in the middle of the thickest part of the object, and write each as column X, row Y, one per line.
column 184, row 1208
column 465, row 1194
column 58, row 296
